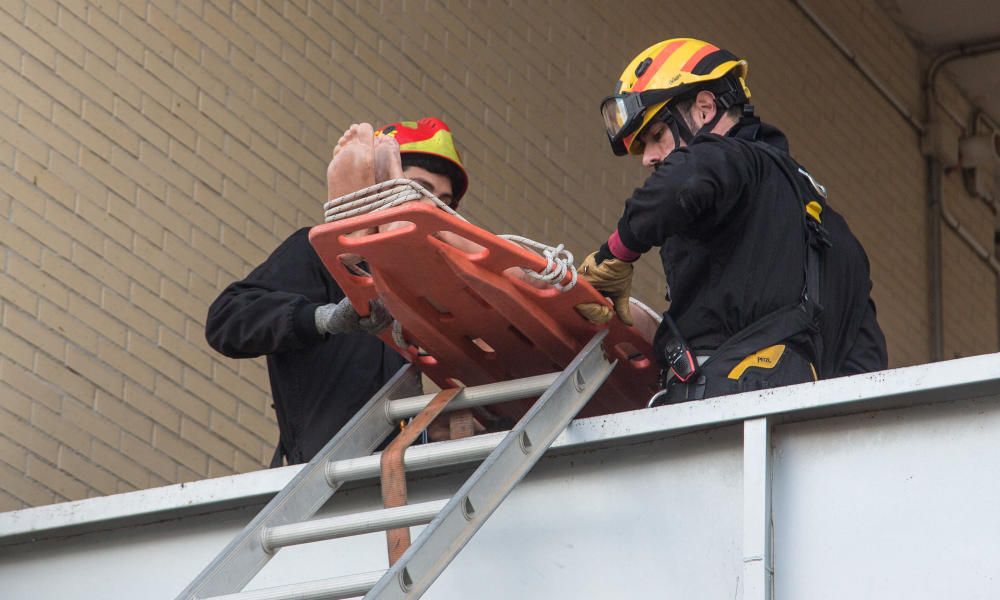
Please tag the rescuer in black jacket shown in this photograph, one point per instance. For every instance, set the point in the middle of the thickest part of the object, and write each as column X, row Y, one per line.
column 740, row 230
column 322, row 361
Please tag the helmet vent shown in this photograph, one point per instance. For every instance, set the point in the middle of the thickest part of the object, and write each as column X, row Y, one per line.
column 641, row 67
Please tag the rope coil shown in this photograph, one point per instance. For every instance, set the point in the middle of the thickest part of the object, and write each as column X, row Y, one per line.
column 394, row 192
column 558, row 259
column 380, row 196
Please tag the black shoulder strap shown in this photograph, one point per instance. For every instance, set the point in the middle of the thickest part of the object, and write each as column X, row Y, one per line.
column 813, row 198
column 803, row 316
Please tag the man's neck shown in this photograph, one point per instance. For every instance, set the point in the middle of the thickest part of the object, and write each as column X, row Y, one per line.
column 725, row 124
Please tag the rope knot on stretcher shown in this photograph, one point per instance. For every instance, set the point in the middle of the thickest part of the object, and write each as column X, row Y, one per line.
column 395, row 192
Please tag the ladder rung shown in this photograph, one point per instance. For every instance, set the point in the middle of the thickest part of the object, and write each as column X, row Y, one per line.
column 480, row 395
column 486, row 488
column 334, row 588
column 353, row 524
column 427, row 456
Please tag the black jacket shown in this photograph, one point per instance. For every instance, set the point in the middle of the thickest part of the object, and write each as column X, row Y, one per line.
column 852, row 339
column 318, row 382
column 729, row 225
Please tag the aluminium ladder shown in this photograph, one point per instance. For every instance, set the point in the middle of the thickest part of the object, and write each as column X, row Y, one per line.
column 451, row 523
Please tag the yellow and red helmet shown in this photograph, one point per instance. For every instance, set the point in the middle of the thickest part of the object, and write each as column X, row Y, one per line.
column 662, row 72
column 430, row 137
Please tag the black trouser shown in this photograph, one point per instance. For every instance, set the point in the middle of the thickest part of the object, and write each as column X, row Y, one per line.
column 770, row 367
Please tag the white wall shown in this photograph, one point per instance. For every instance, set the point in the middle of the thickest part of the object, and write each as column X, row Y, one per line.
column 898, row 502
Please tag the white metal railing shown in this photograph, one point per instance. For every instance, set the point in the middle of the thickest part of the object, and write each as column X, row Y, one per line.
column 948, row 380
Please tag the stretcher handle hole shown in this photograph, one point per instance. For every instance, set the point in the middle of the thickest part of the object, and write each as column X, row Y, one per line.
column 353, row 264
column 627, row 351
column 441, row 310
column 422, row 356
column 484, row 346
column 478, row 298
column 520, row 335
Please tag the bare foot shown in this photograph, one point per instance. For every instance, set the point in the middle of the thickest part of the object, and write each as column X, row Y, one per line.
column 352, row 166
column 388, row 166
column 387, row 159
column 351, row 169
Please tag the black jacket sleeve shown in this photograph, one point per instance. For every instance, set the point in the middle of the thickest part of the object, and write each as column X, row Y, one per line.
column 868, row 352
column 853, row 340
column 273, row 308
column 695, row 189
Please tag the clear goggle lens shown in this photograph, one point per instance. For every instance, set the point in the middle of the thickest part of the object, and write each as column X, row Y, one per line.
column 615, row 115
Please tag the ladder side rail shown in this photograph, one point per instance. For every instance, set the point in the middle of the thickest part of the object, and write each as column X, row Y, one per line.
column 245, row 555
column 490, row 484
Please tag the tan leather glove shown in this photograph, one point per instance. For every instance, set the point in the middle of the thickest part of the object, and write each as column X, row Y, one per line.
column 613, row 278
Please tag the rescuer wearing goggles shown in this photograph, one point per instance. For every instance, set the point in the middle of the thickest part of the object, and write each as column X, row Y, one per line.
column 744, row 235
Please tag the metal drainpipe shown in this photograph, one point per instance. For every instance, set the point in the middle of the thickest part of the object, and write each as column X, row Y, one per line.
column 937, row 212
column 935, row 200
column 935, row 256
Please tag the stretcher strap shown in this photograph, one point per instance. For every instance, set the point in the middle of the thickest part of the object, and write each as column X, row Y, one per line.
column 394, row 472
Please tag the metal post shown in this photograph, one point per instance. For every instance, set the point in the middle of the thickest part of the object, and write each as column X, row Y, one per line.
column 758, row 568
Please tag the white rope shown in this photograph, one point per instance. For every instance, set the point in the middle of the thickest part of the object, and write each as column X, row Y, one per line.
column 558, row 259
column 380, row 197
column 394, row 192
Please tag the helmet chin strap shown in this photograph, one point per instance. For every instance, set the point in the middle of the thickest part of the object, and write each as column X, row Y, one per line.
column 680, row 130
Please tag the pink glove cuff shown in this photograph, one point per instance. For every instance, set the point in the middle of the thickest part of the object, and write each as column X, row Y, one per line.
column 620, row 250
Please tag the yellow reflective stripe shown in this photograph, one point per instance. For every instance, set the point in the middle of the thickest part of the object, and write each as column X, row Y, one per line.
column 815, row 209
column 762, row 359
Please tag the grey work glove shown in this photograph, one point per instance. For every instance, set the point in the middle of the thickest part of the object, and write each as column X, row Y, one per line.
column 341, row 317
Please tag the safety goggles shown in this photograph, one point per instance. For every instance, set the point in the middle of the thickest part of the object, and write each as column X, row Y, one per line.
column 624, row 113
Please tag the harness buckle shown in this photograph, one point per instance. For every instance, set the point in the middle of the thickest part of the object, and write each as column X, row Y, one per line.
column 819, row 236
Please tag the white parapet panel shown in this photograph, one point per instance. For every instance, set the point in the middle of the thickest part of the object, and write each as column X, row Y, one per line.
column 880, row 486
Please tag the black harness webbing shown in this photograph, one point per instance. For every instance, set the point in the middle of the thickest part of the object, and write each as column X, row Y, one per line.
column 791, row 320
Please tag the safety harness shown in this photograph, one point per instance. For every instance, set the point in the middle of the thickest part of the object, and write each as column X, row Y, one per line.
column 685, row 379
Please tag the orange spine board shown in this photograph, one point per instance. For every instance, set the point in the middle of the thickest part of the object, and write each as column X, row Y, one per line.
column 467, row 315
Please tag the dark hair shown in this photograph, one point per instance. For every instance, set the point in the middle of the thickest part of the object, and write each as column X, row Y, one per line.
column 440, row 166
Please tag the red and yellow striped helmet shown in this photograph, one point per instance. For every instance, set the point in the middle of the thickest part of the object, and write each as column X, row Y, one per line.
column 432, row 137
column 664, row 71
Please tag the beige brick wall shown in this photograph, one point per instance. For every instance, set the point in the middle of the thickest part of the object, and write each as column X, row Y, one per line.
column 152, row 152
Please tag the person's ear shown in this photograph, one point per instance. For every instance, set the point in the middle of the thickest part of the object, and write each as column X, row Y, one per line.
column 704, row 103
